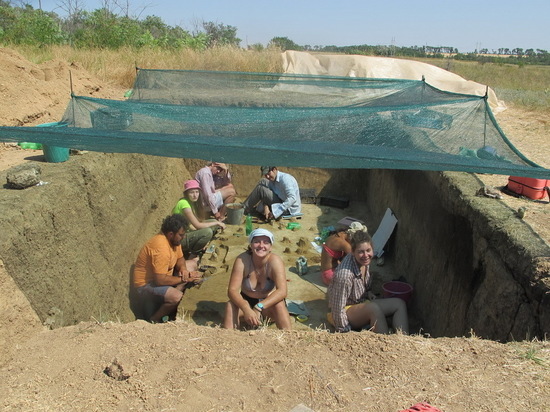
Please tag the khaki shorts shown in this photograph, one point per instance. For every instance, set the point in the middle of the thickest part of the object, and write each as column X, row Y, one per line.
column 218, row 199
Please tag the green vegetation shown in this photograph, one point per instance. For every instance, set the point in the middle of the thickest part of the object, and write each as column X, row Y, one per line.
column 502, row 56
column 102, row 28
column 535, row 351
column 284, row 43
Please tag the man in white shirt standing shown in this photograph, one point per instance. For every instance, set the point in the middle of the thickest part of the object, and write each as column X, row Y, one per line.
column 275, row 196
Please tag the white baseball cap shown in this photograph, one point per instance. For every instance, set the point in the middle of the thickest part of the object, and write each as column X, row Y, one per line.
column 261, row 232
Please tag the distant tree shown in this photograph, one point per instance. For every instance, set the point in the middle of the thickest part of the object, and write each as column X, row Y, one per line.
column 74, row 10
column 220, row 34
column 71, row 7
column 25, row 25
column 530, row 53
column 284, row 43
column 155, row 26
column 98, row 29
column 197, row 42
column 256, row 47
column 517, row 52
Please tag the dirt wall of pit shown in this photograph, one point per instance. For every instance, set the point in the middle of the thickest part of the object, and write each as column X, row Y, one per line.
column 69, row 245
column 475, row 266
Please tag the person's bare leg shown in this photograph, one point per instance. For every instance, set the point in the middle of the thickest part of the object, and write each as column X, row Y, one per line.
column 228, row 193
column 192, row 264
column 172, row 298
column 223, row 212
column 368, row 313
column 231, row 317
column 279, row 314
column 397, row 308
column 267, row 212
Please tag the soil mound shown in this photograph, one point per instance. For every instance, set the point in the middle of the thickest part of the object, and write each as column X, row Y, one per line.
column 39, row 93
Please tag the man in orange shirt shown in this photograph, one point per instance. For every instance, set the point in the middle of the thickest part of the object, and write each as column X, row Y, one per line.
column 161, row 270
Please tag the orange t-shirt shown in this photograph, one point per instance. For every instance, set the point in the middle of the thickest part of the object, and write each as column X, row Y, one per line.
column 158, row 256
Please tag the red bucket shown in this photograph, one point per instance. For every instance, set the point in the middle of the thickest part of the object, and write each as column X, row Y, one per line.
column 396, row 289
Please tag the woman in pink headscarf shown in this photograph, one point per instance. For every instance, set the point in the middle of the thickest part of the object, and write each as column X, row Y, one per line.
column 198, row 231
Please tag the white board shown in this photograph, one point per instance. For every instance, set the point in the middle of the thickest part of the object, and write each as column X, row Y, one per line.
column 383, row 233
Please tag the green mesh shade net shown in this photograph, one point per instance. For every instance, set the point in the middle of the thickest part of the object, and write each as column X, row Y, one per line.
column 290, row 120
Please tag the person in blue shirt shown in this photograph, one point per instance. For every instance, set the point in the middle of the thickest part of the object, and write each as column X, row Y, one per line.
column 276, row 195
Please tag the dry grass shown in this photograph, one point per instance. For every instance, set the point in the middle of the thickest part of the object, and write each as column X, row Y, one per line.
column 526, row 86
column 118, row 66
column 506, row 76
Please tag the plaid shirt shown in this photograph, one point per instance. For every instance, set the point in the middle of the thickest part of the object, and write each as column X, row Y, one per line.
column 347, row 288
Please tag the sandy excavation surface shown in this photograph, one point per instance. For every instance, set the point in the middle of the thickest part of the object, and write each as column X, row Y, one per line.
column 205, row 305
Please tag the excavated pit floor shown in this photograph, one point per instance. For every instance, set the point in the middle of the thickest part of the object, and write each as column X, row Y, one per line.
column 206, row 305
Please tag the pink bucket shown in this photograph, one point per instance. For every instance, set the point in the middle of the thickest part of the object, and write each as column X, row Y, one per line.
column 396, row 289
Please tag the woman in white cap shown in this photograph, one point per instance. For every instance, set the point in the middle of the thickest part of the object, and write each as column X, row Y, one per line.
column 198, row 232
column 257, row 287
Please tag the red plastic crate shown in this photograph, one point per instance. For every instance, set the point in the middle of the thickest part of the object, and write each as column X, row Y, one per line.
column 529, row 187
column 421, row 407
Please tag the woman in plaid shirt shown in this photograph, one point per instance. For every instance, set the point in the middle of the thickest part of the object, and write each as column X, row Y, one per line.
column 352, row 303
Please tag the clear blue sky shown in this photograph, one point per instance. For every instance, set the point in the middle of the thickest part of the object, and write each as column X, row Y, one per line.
column 464, row 24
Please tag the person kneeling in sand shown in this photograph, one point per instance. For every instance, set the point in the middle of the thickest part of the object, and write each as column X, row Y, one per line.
column 161, row 272
column 257, row 287
column 216, row 187
column 276, row 195
column 198, row 231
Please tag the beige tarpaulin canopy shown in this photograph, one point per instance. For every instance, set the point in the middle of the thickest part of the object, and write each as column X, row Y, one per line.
column 385, row 68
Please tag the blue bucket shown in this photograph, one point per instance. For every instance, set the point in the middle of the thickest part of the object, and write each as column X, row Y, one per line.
column 55, row 154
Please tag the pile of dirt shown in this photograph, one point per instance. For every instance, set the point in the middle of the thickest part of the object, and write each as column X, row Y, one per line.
column 182, row 366
column 33, row 94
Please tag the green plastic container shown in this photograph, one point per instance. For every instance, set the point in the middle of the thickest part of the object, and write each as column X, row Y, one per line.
column 55, row 154
column 30, row 145
column 248, row 225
